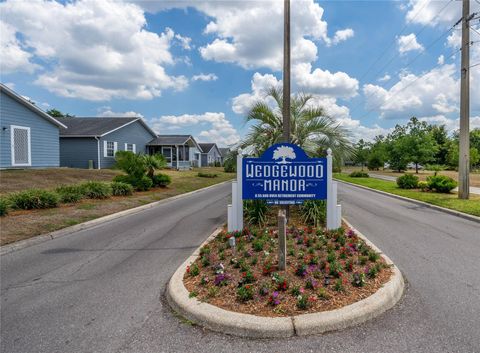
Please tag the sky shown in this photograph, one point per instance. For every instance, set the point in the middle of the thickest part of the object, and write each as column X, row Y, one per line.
column 196, row 67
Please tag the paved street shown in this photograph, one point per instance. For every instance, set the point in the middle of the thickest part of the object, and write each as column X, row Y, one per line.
column 101, row 290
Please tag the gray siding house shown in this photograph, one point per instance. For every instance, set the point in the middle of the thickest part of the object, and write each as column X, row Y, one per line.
column 180, row 151
column 29, row 137
column 94, row 141
column 224, row 151
column 210, row 154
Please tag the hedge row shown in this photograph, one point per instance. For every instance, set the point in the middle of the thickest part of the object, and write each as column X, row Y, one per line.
column 39, row 199
column 436, row 183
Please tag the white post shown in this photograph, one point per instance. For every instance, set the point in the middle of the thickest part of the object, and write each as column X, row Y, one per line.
column 234, row 205
column 330, row 203
column 230, row 218
column 239, row 217
column 339, row 216
column 334, row 205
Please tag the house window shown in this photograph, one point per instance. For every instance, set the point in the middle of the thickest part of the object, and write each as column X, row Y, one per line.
column 130, row 147
column 20, row 146
column 109, row 148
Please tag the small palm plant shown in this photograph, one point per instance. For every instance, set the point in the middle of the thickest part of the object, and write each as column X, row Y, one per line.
column 153, row 162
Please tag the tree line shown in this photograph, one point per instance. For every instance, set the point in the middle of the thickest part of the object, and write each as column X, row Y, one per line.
column 417, row 143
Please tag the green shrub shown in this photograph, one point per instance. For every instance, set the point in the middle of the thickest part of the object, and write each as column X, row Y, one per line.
column 423, row 185
column 314, row 212
column 132, row 164
column 255, row 211
column 206, row 175
column 70, row 193
column 97, row 189
column 359, row 175
column 161, row 180
column 34, row 199
column 4, row 204
column 441, row 183
column 121, row 189
column 143, row 183
column 407, row 181
column 245, row 293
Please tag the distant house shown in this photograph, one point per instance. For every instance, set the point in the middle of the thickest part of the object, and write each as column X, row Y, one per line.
column 224, row 151
column 180, row 151
column 210, row 154
column 29, row 137
column 93, row 142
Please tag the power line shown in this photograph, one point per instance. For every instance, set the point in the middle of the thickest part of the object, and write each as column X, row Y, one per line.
column 408, row 85
column 393, row 42
column 473, row 29
column 474, row 65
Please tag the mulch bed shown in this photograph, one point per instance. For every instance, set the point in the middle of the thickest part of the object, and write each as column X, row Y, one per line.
column 326, row 270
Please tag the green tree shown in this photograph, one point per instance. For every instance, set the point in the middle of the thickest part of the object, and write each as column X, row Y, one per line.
column 419, row 143
column 310, row 127
column 396, row 148
column 440, row 136
column 362, row 151
column 453, row 155
column 58, row 114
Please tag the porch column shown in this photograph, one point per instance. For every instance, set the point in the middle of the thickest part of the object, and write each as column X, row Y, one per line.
column 176, row 147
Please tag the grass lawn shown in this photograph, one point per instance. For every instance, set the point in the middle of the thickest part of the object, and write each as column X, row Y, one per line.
column 422, row 174
column 37, row 222
column 451, row 201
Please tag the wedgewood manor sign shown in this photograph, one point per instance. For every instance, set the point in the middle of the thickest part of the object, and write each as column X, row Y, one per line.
column 284, row 175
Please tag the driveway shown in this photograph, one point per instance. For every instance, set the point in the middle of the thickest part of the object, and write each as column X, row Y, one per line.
column 101, row 290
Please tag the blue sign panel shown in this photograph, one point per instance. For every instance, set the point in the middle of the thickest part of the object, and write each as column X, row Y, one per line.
column 284, row 175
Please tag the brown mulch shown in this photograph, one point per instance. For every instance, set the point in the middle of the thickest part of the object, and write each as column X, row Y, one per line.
column 225, row 296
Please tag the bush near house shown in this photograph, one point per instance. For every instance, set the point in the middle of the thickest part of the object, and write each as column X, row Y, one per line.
column 97, row 189
column 407, row 181
column 34, row 199
column 3, row 206
column 70, row 193
column 161, row 180
column 121, row 189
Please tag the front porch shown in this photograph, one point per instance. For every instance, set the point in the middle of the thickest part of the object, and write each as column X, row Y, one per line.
column 182, row 154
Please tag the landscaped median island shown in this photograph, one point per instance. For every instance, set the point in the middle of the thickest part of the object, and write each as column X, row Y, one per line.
column 327, row 272
column 447, row 200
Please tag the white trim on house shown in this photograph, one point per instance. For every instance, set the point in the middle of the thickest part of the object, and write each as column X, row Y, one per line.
column 12, row 146
column 105, row 148
column 98, row 152
column 134, row 147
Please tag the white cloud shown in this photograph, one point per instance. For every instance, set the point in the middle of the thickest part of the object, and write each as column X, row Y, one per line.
column 13, row 56
column 95, row 50
column 343, row 35
column 430, row 13
column 387, row 77
column 416, row 95
column 408, row 43
column 108, row 112
column 215, row 127
column 185, row 42
column 319, row 81
column 260, row 84
column 441, row 60
column 451, row 124
column 205, row 77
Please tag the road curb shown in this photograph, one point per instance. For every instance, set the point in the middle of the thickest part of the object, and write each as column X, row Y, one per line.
column 439, row 208
column 5, row 249
column 246, row 325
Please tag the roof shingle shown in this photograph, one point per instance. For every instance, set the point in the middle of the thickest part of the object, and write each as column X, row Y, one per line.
column 91, row 127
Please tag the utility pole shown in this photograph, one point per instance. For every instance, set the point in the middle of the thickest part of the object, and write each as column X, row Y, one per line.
column 464, row 150
column 283, row 213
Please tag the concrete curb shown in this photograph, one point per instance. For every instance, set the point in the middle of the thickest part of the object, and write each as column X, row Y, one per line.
column 439, row 208
column 5, row 249
column 246, row 325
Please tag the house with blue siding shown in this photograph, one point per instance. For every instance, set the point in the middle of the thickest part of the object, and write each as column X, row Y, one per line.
column 29, row 137
column 180, row 151
column 93, row 142
column 210, row 154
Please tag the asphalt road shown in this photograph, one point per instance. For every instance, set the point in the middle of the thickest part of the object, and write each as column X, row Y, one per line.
column 101, row 290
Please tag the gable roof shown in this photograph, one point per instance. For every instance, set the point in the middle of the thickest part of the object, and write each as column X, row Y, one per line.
column 172, row 140
column 206, row 147
column 224, row 151
column 15, row 96
column 97, row 127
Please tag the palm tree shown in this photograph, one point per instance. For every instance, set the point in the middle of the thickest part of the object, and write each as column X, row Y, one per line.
column 153, row 162
column 310, row 127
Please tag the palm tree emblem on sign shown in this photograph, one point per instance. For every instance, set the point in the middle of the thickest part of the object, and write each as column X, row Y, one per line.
column 284, row 152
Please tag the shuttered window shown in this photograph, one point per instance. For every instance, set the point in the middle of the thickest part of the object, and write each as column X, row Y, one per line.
column 20, row 145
